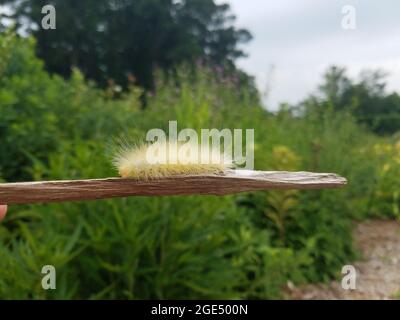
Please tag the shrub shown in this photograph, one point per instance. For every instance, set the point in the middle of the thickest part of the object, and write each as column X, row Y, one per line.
column 241, row 246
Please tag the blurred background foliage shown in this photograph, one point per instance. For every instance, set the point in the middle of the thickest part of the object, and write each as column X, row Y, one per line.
column 59, row 124
column 127, row 40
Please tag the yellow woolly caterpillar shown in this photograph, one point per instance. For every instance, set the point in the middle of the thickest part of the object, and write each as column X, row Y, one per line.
column 169, row 158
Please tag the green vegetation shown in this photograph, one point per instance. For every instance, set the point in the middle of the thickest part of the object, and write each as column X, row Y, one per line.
column 242, row 246
column 366, row 99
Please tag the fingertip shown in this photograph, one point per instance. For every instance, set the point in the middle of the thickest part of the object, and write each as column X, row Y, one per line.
column 3, row 211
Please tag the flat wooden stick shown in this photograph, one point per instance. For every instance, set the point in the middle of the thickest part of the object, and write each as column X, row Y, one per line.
column 231, row 181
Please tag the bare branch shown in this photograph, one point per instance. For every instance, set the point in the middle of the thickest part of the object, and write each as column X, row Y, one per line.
column 232, row 181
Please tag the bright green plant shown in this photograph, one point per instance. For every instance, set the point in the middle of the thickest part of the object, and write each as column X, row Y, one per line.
column 241, row 246
column 385, row 201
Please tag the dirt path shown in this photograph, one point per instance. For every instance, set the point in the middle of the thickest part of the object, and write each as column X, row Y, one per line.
column 378, row 274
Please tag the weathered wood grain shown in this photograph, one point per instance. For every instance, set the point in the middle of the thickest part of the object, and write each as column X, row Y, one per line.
column 232, row 181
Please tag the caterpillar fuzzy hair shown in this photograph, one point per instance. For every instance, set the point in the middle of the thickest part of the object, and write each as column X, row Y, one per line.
column 144, row 161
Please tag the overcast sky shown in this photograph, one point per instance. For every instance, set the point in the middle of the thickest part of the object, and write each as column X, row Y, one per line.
column 296, row 40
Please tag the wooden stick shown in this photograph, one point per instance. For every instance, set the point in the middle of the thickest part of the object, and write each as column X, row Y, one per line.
column 231, row 181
